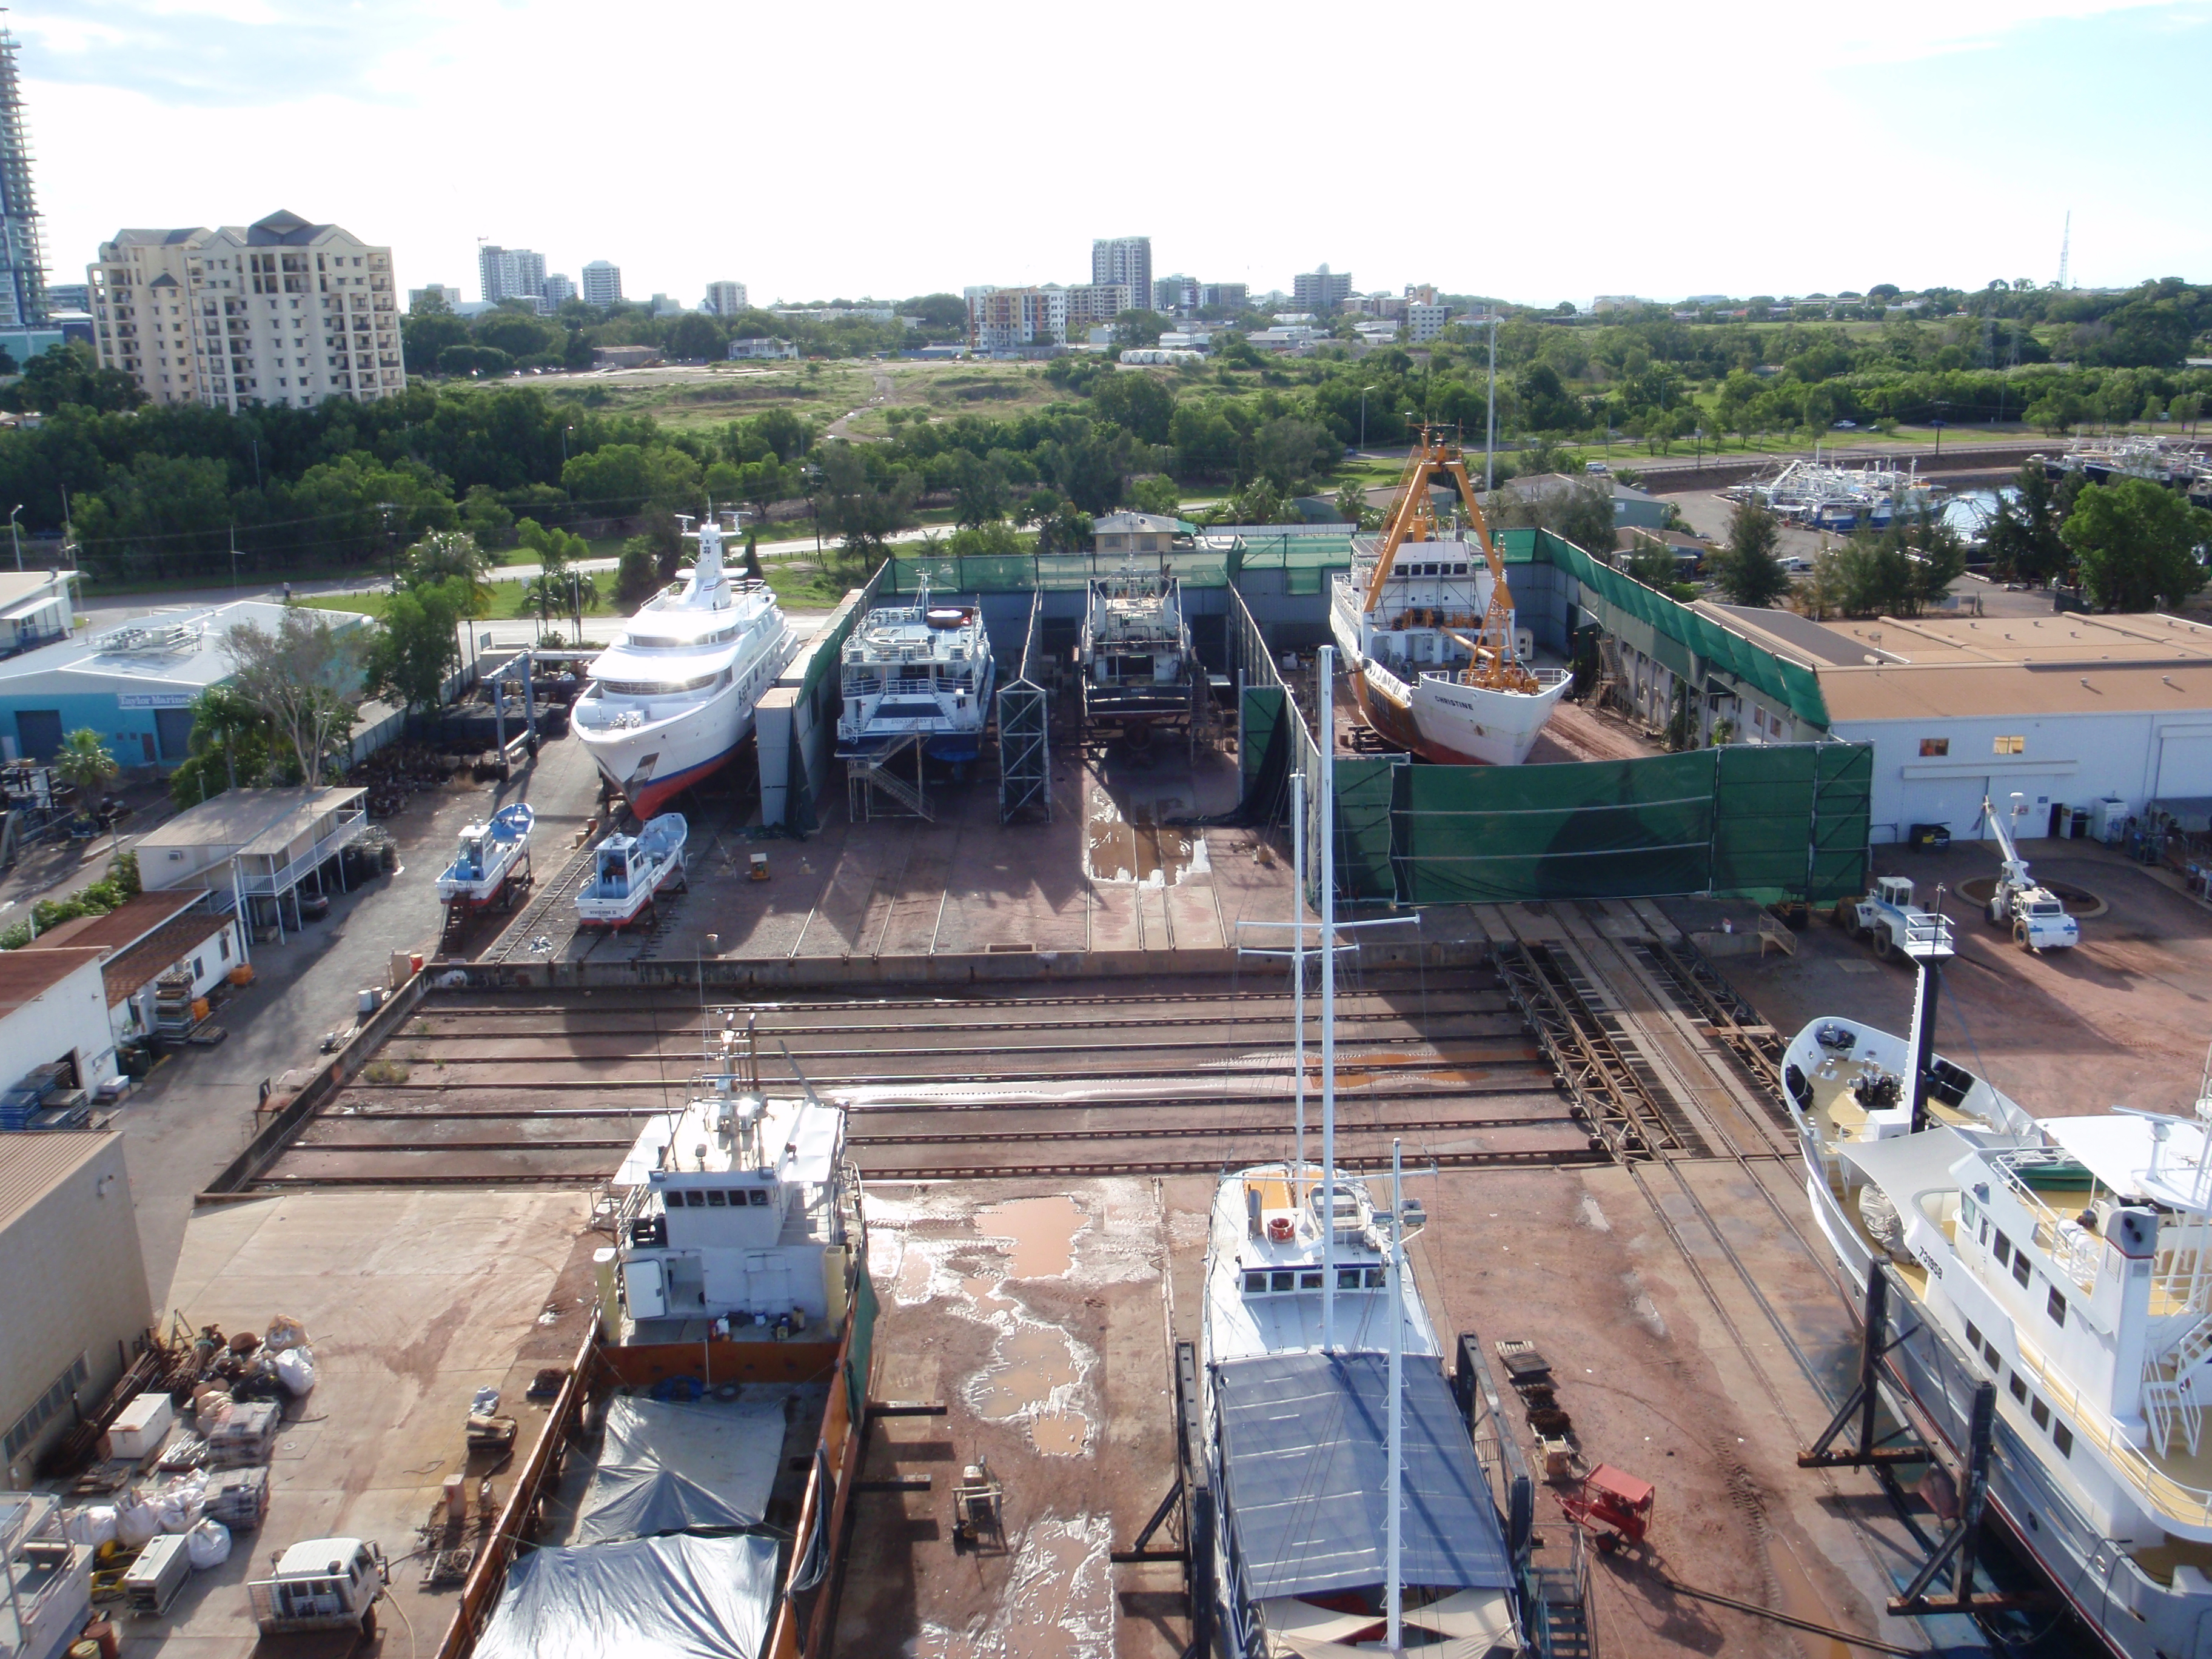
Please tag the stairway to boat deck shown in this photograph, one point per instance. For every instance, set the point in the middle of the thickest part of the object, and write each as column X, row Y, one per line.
column 870, row 775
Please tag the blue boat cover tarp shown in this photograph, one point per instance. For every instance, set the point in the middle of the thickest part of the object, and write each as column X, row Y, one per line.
column 1305, row 1469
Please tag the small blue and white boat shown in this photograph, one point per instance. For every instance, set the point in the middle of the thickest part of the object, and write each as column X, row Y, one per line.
column 630, row 872
column 492, row 862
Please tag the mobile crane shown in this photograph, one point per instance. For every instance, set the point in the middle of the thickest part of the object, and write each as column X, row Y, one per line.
column 2037, row 918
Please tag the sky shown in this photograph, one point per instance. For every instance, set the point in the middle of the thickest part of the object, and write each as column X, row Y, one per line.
column 1537, row 154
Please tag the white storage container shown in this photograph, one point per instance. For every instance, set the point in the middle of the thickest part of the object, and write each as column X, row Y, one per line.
column 154, row 1579
column 141, row 1426
column 2108, row 818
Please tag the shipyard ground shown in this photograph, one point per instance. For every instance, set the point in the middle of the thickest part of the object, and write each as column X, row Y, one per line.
column 1040, row 1155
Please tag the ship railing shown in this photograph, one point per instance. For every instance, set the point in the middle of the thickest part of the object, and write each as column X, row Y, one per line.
column 870, row 685
column 2072, row 1247
column 2192, row 1505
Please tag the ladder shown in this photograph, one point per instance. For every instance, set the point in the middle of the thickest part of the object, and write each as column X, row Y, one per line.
column 1612, row 675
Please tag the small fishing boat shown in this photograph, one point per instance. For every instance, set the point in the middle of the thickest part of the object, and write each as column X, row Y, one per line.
column 630, row 872
column 492, row 862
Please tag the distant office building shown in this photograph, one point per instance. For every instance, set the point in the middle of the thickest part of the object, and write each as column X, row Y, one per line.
column 843, row 314
column 1425, row 322
column 1222, row 296
column 23, row 266
column 665, row 306
column 1097, row 302
column 1421, row 294
column 1015, row 319
column 602, row 283
column 1175, row 294
column 725, row 298
column 281, row 311
column 452, row 296
column 1124, row 259
column 557, row 292
column 760, row 346
column 69, row 296
column 510, row 273
column 1322, row 290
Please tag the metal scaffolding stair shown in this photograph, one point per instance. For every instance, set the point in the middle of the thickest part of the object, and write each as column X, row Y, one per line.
column 870, row 776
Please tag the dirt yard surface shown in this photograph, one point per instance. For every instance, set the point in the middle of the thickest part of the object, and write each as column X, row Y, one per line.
column 2121, row 1019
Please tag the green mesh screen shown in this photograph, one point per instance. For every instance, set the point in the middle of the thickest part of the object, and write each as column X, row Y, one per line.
column 1261, row 707
column 1364, row 819
column 1602, row 829
column 1842, row 804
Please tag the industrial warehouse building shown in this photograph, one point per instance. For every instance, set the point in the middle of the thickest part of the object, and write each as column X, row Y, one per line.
column 74, row 1301
column 133, row 685
column 150, row 937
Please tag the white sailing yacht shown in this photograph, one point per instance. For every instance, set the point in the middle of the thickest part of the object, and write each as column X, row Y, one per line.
column 1352, row 1514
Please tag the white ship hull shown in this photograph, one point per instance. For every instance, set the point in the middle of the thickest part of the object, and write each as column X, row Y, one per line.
column 674, row 743
column 2134, row 1615
column 1442, row 719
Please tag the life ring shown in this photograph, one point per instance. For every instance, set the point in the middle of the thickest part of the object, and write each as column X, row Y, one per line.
column 1280, row 1228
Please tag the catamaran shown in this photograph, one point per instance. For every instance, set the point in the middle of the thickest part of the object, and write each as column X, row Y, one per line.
column 918, row 672
column 1426, row 626
column 1351, row 1512
column 673, row 699
column 1138, row 666
column 2064, row 1263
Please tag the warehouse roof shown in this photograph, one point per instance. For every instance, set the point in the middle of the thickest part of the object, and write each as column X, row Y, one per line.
column 1893, row 668
column 121, row 927
column 26, row 975
column 181, row 649
column 160, row 952
column 247, row 820
column 32, row 1165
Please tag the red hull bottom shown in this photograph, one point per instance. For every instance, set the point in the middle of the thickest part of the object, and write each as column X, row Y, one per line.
column 1395, row 726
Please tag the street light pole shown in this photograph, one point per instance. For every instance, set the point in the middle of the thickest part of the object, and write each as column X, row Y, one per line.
column 16, row 535
column 1490, row 432
column 1364, row 391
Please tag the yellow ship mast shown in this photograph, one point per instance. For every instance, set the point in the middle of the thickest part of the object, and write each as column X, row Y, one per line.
column 1413, row 519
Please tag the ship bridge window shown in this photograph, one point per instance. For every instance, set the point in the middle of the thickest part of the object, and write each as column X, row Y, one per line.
column 662, row 688
column 2062, row 1438
column 2002, row 1249
column 2057, row 1309
column 1310, row 1281
column 1282, row 1280
column 1376, row 1279
column 717, row 1199
column 1255, row 1284
column 757, row 1197
column 2019, row 1268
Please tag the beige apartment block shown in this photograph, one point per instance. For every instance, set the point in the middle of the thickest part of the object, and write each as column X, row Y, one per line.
column 281, row 311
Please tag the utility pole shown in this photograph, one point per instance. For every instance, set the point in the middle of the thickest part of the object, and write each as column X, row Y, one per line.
column 1489, row 437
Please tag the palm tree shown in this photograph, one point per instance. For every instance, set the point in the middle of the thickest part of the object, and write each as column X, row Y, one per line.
column 85, row 765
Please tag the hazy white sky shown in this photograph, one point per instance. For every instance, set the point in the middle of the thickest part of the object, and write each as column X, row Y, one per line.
column 1539, row 153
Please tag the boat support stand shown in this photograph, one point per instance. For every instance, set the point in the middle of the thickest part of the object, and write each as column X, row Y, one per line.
column 1191, row 1499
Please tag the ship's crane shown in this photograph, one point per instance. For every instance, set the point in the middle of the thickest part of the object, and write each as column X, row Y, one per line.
column 2037, row 918
column 1413, row 519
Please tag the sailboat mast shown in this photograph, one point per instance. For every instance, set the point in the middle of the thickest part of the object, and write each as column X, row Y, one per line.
column 1298, row 966
column 1327, row 817
column 1395, row 1590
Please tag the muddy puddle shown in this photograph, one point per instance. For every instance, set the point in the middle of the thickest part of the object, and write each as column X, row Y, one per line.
column 1036, row 1369
column 1141, row 850
column 1043, row 1231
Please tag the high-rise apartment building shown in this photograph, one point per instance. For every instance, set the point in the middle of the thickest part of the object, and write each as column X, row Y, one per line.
column 725, row 298
column 1222, row 296
column 556, row 291
column 450, row 297
column 281, row 311
column 602, row 283
column 1424, row 322
column 510, row 273
column 1011, row 319
column 1321, row 291
column 22, row 265
column 1124, row 259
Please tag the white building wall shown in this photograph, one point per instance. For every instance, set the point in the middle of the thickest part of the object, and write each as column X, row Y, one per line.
column 2068, row 759
column 74, row 1288
column 70, row 1017
column 209, row 962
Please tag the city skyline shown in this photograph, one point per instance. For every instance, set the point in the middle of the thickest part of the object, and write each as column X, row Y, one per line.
column 1872, row 115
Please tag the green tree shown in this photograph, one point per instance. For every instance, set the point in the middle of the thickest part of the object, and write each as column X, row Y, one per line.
column 1352, row 506
column 84, row 762
column 2022, row 540
column 231, row 739
column 695, row 336
column 1749, row 572
column 68, row 376
column 419, row 646
column 1156, row 496
column 1288, row 451
column 307, row 677
column 637, row 578
column 1138, row 327
column 862, row 507
column 1067, row 530
column 2138, row 544
column 486, row 517
column 446, row 555
column 1137, row 401
column 979, row 490
column 996, row 540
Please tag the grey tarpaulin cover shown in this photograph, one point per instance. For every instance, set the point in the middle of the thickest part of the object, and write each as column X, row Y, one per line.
column 651, row 1598
column 1305, row 1460
column 667, row 1467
